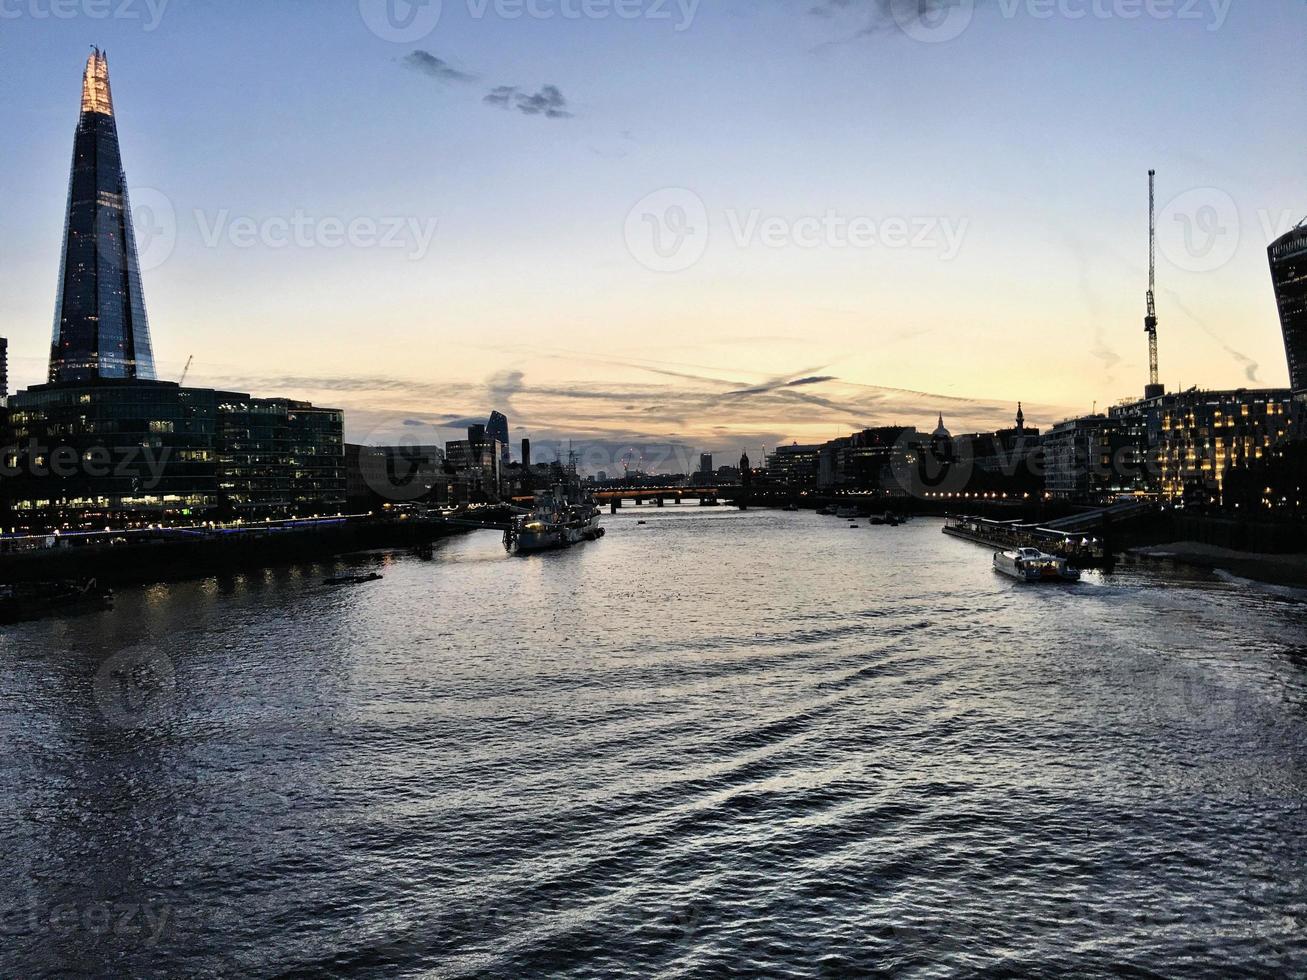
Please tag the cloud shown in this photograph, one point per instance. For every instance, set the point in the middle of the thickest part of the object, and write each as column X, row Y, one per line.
column 428, row 64
column 548, row 102
column 461, row 423
column 502, row 386
column 1251, row 368
column 885, row 16
column 778, row 384
column 663, row 416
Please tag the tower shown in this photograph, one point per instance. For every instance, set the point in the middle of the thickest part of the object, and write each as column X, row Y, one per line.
column 4, row 370
column 1021, row 418
column 497, row 429
column 1288, row 257
column 100, row 326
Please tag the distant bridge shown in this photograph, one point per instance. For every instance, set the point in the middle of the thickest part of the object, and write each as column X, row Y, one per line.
column 661, row 496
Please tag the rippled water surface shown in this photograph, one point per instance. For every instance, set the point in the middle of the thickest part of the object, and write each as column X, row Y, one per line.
column 715, row 743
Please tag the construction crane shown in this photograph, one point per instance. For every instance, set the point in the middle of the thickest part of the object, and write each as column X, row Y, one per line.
column 1155, row 388
column 186, row 370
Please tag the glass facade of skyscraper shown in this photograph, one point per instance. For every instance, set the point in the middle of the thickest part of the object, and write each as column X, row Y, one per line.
column 100, row 326
column 497, row 429
column 1289, row 273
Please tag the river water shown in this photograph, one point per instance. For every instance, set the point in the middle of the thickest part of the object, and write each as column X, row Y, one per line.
column 712, row 743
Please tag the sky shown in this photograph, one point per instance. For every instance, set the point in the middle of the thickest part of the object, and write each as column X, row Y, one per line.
column 670, row 226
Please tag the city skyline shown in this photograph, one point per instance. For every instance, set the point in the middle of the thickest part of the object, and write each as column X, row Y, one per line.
column 751, row 345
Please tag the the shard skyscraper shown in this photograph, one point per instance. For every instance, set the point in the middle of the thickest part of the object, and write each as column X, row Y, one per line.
column 100, row 328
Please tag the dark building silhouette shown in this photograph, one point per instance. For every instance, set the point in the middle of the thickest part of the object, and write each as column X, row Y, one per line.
column 526, row 454
column 100, row 327
column 4, row 370
column 1288, row 257
column 497, row 429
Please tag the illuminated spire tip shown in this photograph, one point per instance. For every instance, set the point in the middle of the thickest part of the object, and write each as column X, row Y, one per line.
column 95, row 85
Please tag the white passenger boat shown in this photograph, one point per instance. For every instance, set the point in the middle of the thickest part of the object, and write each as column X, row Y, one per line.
column 1033, row 565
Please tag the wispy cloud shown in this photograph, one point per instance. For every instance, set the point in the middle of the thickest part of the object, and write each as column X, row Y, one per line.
column 548, row 102
column 438, row 68
column 1251, row 368
column 703, row 413
column 885, row 16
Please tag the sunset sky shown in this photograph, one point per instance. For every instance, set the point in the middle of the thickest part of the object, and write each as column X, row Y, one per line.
column 736, row 225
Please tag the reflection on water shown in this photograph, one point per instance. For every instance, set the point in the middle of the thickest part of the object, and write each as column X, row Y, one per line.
column 715, row 742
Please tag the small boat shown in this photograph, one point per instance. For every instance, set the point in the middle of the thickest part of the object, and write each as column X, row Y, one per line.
column 353, row 579
column 824, row 512
column 1033, row 565
column 790, row 508
column 33, row 600
column 848, row 511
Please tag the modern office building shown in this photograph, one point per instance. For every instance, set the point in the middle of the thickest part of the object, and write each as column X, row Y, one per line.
column 1187, row 442
column 497, row 429
column 1088, row 459
column 376, row 476
column 1204, row 434
column 794, row 465
column 100, row 327
column 864, row 460
column 4, row 370
column 1288, row 257
column 125, row 453
column 106, row 445
column 477, row 464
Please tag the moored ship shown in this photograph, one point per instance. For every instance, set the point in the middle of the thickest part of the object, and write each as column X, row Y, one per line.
column 561, row 517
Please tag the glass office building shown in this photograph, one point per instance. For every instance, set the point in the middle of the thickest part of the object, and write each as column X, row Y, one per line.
column 497, row 429
column 1288, row 257
column 100, row 327
column 126, row 453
